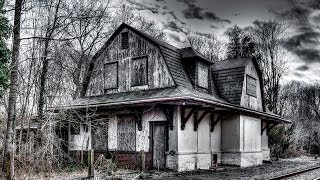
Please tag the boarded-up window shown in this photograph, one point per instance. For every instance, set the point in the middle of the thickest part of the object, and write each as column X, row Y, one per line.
column 100, row 134
column 124, row 40
column 203, row 72
column 111, row 75
column 251, row 86
column 139, row 75
column 126, row 133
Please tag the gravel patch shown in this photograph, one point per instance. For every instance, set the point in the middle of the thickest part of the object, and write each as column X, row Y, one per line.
column 265, row 171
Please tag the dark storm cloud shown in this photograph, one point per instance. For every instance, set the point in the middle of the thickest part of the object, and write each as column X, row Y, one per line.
column 303, row 68
column 213, row 26
column 305, row 44
column 195, row 12
column 175, row 17
column 298, row 74
column 173, row 26
column 213, row 17
column 141, row 6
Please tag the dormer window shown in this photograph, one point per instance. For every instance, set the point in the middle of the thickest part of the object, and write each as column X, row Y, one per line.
column 203, row 73
column 139, row 71
column 251, row 86
column 124, row 40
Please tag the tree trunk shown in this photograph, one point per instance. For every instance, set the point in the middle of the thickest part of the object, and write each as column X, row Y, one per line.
column 8, row 159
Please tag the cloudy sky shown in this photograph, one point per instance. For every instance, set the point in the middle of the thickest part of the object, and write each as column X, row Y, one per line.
column 216, row 16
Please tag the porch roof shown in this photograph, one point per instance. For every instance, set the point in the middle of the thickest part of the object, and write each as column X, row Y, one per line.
column 172, row 94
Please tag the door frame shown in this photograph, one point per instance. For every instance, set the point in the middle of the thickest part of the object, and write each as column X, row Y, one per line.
column 151, row 129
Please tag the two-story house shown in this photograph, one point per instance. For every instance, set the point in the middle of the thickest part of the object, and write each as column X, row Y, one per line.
column 184, row 111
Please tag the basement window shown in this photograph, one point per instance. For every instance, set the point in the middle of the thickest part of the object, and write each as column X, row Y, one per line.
column 111, row 75
column 251, row 86
column 139, row 71
column 124, row 40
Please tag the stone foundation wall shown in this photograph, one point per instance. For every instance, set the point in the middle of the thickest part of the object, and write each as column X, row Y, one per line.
column 251, row 159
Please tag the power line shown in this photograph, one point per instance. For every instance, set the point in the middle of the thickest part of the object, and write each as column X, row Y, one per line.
column 305, row 19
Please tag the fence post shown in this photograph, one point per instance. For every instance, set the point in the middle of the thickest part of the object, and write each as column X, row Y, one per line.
column 90, row 163
column 143, row 160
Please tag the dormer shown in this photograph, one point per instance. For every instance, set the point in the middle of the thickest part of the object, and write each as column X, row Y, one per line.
column 197, row 67
column 239, row 81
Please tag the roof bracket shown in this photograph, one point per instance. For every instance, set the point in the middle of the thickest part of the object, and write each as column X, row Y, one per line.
column 268, row 127
column 168, row 112
column 198, row 120
column 214, row 122
column 184, row 119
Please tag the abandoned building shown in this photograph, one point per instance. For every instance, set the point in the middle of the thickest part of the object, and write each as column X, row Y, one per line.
column 183, row 111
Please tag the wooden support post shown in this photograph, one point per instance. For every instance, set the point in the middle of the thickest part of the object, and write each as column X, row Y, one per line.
column 90, row 163
column 143, row 160
column 264, row 128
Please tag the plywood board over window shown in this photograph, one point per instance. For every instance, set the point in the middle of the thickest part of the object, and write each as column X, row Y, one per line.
column 139, row 71
column 111, row 75
column 203, row 73
column 126, row 133
column 100, row 134
column 251, row 86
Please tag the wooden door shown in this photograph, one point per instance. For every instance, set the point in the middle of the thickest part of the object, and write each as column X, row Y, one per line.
column 158, row 144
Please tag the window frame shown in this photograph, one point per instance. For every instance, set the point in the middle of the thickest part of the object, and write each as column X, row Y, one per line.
column 131, row 71
column 122, row 40
column 120, row 116
column 104, row 75
column 198, row 71
column 248, row 93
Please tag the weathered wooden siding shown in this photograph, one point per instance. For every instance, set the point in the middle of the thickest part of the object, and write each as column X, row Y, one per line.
column 158, row 74
column 230, row 83
column 254, row 102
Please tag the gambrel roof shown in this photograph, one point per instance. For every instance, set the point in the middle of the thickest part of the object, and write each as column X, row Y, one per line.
column 183, row 89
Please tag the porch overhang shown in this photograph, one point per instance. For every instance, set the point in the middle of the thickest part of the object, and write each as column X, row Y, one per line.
column 186, row 100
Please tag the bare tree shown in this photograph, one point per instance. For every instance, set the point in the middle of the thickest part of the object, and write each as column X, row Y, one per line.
column 8, row 160
column 124, row 15
column 207, row 44
column 268, row 37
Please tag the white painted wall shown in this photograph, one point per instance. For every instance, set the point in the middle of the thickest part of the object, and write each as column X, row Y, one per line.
column 112, row 132
column 230, row 133
column 195, row 148
column 247, row 100
column 142, row 137
column 187, row 138
column 250, row 133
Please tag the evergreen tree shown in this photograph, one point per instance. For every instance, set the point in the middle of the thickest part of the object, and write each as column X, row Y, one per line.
column 234, row 45
column 240, row 44
column 4, row 51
